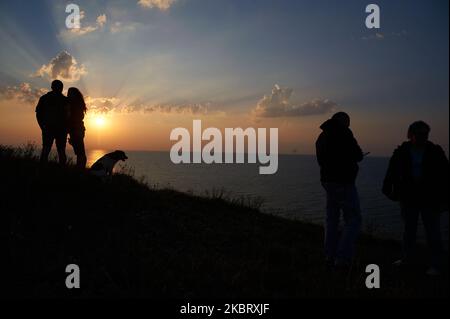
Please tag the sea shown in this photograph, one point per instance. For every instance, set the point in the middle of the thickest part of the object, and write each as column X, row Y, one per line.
column 294, row 192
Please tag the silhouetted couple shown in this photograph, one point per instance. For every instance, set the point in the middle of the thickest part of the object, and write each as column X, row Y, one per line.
column 417, row 177
column 59, row 116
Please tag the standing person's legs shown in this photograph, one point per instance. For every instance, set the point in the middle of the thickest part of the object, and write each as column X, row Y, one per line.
column 81, row 156
column 352, row 219
column 410, row 215
column 334, row 201
column 47, row 142
column 77, row 142
column 61, row 140
column 431, row 218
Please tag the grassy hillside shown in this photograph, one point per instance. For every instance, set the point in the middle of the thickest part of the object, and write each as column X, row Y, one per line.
column 133, row 241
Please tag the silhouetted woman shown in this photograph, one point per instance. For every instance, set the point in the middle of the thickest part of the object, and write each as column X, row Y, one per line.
column 77, row 110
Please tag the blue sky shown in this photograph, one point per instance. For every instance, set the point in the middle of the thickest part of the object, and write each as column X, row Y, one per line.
column 228, row 54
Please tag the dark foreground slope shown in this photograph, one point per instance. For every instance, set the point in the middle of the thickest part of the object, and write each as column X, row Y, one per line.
column 132, row 241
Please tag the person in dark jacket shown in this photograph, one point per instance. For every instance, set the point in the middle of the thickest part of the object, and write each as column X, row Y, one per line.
column 338, row 154
column 417, row 177
column 77, row 110
column 51, row 114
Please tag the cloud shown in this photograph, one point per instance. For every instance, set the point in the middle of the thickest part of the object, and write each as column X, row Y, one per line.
column 63, row 67
column 122, row 27
column 400, row 34
column 101, row 20
column 112, row 104
column 278, row 104
column 102, row 105
column 379, row 36
column 23, row 93
column 99, row 23
column 171, row 108
column 375, row 36
column 162, row 5
column 382, row 36
column 26, row 94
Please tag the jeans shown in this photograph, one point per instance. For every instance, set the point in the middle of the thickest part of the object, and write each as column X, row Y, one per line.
column 345, row 198
column 431, row 222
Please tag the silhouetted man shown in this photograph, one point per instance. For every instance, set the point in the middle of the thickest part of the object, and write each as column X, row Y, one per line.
column 417, row 177
column 51, row 114
column 338, row 154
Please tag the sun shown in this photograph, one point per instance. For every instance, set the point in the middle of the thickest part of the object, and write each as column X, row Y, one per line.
column 99, row 121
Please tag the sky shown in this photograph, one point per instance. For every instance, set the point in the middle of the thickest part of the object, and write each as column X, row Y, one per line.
column 146, row 67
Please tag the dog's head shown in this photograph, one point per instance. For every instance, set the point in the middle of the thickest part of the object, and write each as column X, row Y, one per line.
column 119, row 155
